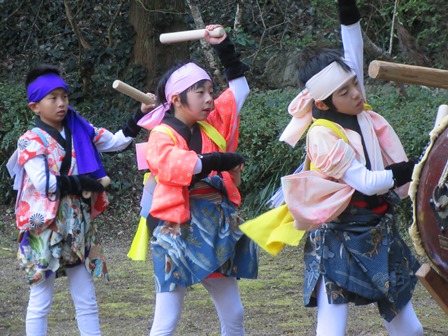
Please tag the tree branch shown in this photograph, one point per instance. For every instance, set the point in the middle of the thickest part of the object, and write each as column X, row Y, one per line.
column 85, row 44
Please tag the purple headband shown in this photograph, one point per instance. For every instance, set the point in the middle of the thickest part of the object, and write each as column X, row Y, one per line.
column 179, row 81
column 43, row 85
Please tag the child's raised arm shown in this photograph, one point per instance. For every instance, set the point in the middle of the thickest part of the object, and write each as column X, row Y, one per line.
column 349, row 17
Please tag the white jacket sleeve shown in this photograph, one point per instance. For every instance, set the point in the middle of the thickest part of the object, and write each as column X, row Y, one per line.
column 240, row 89
column 366, row 181
column 353, row 51
column 35, row 169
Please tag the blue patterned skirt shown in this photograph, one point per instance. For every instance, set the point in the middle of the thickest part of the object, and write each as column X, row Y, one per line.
column 185, row 254
column 362, row 259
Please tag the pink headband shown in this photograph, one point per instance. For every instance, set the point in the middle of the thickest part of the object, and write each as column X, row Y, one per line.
column 180, row 80
column 318, row 88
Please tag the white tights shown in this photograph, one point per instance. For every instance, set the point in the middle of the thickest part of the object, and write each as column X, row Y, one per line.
column 332, row 318
column 225, row 296
column 83, row 295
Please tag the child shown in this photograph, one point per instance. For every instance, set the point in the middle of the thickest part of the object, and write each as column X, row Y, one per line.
column 196, row 238
column 359, row 256
column 56, row 162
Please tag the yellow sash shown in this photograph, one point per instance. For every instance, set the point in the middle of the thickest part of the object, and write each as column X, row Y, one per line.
column 274, row 229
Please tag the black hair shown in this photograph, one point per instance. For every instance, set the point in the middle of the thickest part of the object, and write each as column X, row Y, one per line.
column 164, row 79
column 40, row 70
column 313, row 60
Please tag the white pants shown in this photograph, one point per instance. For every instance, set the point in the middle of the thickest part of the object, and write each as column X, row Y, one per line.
column 82, row 290
column 225, row 296
column 332, row 318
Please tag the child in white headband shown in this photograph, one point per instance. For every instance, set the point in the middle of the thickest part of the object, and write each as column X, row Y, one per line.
column 342, row 261
column 190, row 151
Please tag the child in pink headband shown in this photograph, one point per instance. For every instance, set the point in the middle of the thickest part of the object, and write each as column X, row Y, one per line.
column 190, row 152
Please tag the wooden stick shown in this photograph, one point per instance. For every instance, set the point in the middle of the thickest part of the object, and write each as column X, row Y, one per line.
column 435, row 285
column 132, row 92
column 410, row 74
column 189, row 35
column 442, row 112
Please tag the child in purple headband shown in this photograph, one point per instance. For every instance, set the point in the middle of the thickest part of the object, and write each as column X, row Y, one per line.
column 55, row 163
column 196, row 238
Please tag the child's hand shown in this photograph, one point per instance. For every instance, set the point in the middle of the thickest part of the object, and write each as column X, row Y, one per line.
column 145, row 108
column 235, row 173
column 214, row 40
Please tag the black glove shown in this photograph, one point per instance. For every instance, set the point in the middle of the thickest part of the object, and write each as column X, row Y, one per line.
column 348, row 12
column 402, row 172
column 219, row 162
column 130, row 128
column 230, row 59
column 76, row 184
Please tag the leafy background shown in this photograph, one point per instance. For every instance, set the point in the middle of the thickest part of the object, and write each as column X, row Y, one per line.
column 269, row 34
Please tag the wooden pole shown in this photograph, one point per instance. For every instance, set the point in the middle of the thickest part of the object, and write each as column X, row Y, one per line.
column 132, row 92
column 435, row 285
column 410, row 74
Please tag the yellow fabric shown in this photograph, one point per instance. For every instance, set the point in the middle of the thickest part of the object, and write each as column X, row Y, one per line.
column 139, row 246
column 164, row 129
column 213, row 134
column 273, row 229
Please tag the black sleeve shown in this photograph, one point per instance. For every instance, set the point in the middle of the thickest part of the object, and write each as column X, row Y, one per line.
column 130, row 128
column 230, row 59
column 348, row 12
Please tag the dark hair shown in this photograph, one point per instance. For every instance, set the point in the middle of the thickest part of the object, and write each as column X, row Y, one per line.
column 164, row 79
column 40, row 70
column 313, row 60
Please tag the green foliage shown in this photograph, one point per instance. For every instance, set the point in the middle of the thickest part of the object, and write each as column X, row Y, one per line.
column 263, row 119
column 15, row 118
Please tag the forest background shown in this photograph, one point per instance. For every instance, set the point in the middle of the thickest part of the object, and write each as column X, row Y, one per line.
column 96, row 43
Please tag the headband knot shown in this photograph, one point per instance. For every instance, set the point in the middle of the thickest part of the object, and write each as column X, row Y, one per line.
column 180, row 80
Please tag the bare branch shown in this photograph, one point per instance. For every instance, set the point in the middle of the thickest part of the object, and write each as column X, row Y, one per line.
column 199, row 22
column 85, row 44
column 392, row 28
column 14, row 12
column 238, row 15
column 112, row 23
column 35, row 19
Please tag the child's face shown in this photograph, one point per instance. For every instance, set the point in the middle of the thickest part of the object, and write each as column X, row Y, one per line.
column 348, row 99
column 53, row 108
column 198, row 107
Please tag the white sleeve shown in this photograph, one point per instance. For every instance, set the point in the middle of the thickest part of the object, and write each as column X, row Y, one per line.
column 112, row 142
column 240, row 89
column 35, row 169
column 353, row 51
column 366, row 181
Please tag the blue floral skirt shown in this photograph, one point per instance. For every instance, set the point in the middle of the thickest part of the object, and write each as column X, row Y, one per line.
column 185, row 254
column 362, row 259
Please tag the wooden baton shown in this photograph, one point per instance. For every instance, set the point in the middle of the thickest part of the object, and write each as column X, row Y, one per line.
column 411, row 74
column 189, row 35
column 132, row 92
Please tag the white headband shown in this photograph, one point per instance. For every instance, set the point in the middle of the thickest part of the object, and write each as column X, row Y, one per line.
column 327, row 81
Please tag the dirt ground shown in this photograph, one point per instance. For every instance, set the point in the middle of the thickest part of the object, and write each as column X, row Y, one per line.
column 273, row 302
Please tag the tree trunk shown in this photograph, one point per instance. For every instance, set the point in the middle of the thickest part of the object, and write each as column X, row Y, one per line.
column 149, row 19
